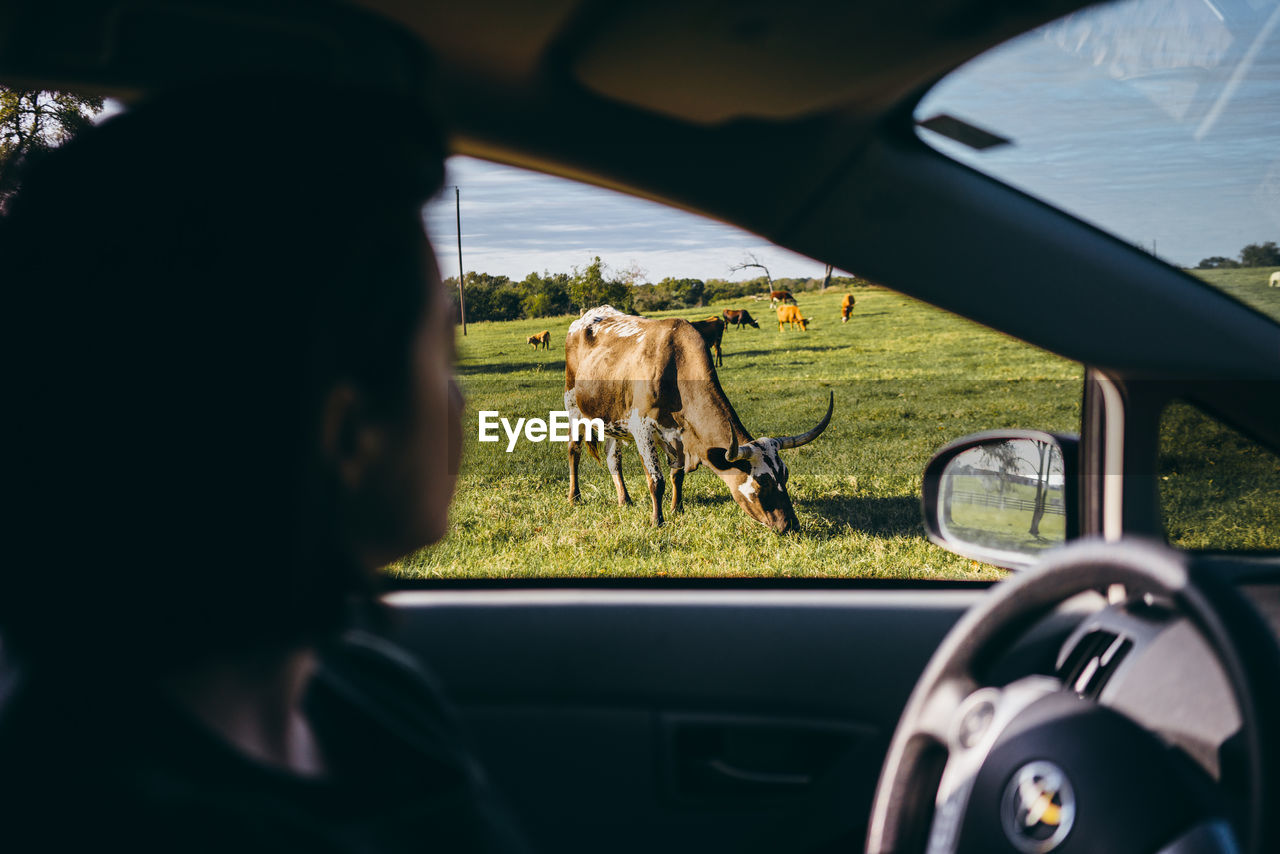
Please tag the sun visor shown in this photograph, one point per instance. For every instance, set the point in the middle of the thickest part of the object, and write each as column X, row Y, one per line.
column 709, row 62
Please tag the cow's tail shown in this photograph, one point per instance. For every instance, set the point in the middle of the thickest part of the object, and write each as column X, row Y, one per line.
column 593, row 448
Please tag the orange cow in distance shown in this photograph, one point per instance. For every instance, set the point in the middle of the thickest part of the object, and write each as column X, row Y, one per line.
column 790, row 315
column 542, row 339
column 846, row 308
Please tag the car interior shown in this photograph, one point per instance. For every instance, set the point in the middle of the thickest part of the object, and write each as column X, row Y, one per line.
column 1129, row 685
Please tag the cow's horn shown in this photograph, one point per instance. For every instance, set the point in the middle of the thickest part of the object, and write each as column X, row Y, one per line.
column 806, row 438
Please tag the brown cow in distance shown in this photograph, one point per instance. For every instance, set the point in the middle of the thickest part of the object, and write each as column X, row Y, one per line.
column 784, row 297
column 790, row 315
column 712, row 331
column 541, row 340
column 652, row 383
column 846, row 307
column 739, row 317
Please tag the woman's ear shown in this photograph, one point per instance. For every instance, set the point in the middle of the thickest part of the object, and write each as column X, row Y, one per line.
column 350, row 441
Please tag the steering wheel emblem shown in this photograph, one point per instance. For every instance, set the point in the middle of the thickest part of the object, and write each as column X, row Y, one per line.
column 1038, row 808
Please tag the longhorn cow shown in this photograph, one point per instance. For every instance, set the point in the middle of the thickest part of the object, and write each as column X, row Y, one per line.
column 652, row 383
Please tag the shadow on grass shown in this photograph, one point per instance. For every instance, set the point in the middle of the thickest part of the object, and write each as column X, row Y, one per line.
column 508, row 367
column 882, row 517
column 728, row 353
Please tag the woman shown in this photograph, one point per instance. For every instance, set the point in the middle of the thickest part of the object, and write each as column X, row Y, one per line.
column 230, row 357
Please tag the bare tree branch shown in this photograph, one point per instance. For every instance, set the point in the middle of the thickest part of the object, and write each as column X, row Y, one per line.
column 753, row 261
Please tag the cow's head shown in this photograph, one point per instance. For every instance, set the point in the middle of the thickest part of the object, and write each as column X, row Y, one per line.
column 757, row 476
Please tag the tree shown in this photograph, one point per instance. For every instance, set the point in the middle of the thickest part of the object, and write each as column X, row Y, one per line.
column 1045, row 454
column 1217, row 262
column 1004, row 456
column 753, row 261
column 589, row 288
column 1260, row 255
column 488, row 297
column 546, row 295
column 633, row 275
column 34, row 120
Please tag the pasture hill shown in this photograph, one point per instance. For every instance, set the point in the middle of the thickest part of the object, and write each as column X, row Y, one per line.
column 907, row 378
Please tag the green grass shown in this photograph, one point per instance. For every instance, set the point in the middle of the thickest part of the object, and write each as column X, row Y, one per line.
column 1247, row 284
column 907, row 378
column 1218, row 489
column 1007, row 528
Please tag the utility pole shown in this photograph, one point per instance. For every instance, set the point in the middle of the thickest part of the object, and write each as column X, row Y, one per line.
column 462, row 300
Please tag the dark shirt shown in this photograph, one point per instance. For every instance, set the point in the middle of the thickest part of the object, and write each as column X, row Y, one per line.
column 141, row 775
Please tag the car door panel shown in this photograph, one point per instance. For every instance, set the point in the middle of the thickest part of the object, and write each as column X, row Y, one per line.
column 700, row 720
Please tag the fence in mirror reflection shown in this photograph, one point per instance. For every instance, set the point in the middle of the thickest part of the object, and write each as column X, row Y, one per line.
column 1006, row 494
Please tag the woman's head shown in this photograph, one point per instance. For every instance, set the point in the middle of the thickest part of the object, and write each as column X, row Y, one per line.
column 229, row 356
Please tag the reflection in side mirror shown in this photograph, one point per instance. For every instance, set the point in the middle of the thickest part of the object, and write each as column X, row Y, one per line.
column 1002, row 498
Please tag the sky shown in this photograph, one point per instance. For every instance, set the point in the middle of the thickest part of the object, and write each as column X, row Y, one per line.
column 516, row 222
column 1158, row 120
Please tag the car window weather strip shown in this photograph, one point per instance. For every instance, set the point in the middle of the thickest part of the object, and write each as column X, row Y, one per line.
column 1113, row 459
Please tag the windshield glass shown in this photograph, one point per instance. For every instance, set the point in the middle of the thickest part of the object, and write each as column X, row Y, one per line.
column 1157, row 120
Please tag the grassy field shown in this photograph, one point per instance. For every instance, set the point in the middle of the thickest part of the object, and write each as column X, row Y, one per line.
column 907, row 378
column 1247, row 284
column 1003, row 519
column 1218, row 489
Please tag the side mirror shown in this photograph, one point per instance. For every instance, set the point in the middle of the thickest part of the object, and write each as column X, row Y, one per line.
column 1003, row 497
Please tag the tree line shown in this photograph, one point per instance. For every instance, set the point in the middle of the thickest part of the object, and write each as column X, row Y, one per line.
column 548, row 294
column 33, row 121
column 1254, row 255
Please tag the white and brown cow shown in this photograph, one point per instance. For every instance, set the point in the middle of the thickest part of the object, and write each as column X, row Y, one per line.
column 652, row 383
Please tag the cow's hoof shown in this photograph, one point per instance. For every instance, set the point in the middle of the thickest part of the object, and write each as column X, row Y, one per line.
column 575, row 499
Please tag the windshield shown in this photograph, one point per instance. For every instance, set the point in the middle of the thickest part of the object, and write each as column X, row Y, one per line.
column 1157, row 120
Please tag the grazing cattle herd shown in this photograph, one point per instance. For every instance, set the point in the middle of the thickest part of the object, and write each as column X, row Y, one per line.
column 652, row 383
column 712, row 328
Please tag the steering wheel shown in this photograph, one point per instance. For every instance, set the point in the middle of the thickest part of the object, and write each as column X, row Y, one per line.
column 1031, row 767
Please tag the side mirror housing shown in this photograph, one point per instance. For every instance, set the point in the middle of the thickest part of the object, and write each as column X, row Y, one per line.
column 1003, row 497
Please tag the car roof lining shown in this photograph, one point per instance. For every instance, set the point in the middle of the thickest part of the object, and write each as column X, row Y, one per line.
column 843, row 178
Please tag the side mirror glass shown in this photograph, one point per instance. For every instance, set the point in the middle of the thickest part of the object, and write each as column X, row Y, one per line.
column 1003, row 497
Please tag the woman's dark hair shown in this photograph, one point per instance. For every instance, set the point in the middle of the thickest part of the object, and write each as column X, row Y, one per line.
column 184, row 284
